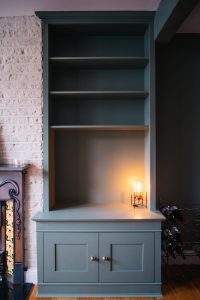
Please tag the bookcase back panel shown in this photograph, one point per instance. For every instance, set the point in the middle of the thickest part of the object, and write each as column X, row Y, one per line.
column 65, row 79
column 97, row 166
column 97, row 112
column 112, row 40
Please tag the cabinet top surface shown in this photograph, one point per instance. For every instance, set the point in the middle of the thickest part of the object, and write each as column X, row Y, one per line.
column 100, row 213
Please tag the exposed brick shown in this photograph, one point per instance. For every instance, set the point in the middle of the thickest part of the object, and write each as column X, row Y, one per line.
column 21, row 112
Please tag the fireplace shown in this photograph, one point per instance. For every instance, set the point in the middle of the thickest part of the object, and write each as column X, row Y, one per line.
column 12, row 224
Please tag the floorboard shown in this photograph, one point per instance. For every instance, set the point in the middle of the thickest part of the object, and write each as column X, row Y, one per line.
column 180, row 283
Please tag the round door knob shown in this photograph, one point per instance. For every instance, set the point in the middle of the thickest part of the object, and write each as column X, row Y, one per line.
column 105, row 258
column 93, row 258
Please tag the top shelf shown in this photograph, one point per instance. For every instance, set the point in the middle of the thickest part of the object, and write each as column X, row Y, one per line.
column 101, row 62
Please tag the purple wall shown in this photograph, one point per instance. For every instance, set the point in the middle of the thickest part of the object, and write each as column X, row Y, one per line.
column 192, row 22
column 28, row 7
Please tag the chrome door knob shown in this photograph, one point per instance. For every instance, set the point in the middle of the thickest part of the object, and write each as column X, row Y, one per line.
column 106, row 258
column 93, row 258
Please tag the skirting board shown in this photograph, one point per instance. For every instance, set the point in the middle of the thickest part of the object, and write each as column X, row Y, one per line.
column 31, row 275
column 99, row 290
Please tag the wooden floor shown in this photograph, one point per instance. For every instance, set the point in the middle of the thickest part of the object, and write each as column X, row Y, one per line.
column 183, row 283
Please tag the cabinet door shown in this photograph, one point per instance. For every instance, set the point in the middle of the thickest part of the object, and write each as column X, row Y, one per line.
column 67, row 257
column 128, row 257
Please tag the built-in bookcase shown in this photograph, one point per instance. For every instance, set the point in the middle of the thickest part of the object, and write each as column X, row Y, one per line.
column 99, row 101
column 99, row 133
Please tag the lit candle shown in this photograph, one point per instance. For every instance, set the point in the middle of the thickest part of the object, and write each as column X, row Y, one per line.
column 138, row 187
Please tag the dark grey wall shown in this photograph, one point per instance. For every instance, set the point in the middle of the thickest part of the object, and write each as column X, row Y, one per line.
column 178, row 120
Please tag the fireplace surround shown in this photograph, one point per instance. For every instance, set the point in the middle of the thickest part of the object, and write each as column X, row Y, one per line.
column 12, row 223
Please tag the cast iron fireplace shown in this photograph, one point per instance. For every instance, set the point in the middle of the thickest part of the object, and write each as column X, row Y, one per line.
column 12, row 224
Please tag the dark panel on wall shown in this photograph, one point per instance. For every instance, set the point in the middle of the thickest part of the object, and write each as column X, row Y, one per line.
column 178, row 120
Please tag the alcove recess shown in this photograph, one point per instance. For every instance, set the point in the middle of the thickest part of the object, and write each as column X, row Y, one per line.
column 99, row 113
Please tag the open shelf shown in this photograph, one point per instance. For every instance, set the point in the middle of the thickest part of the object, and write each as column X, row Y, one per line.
column 100, row 94
column 97, row 113
column 95, row 164
column 100, row 62
column 98, row 40
column 117, row 79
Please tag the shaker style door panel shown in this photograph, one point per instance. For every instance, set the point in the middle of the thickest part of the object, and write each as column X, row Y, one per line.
column 70, row 257
column 126, row 257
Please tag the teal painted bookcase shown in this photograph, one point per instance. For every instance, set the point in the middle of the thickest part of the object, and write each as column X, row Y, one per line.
column 99, row 131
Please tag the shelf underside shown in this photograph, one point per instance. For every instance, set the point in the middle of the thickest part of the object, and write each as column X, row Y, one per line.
column 100, row 94
column 100, row 62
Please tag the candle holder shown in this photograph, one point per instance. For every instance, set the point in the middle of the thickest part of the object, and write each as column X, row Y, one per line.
column 139, row 199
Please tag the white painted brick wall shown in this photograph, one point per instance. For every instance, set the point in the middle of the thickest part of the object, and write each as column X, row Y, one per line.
column 21, row 112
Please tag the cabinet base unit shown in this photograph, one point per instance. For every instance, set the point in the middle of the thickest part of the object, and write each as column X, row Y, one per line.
column 102, row 258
